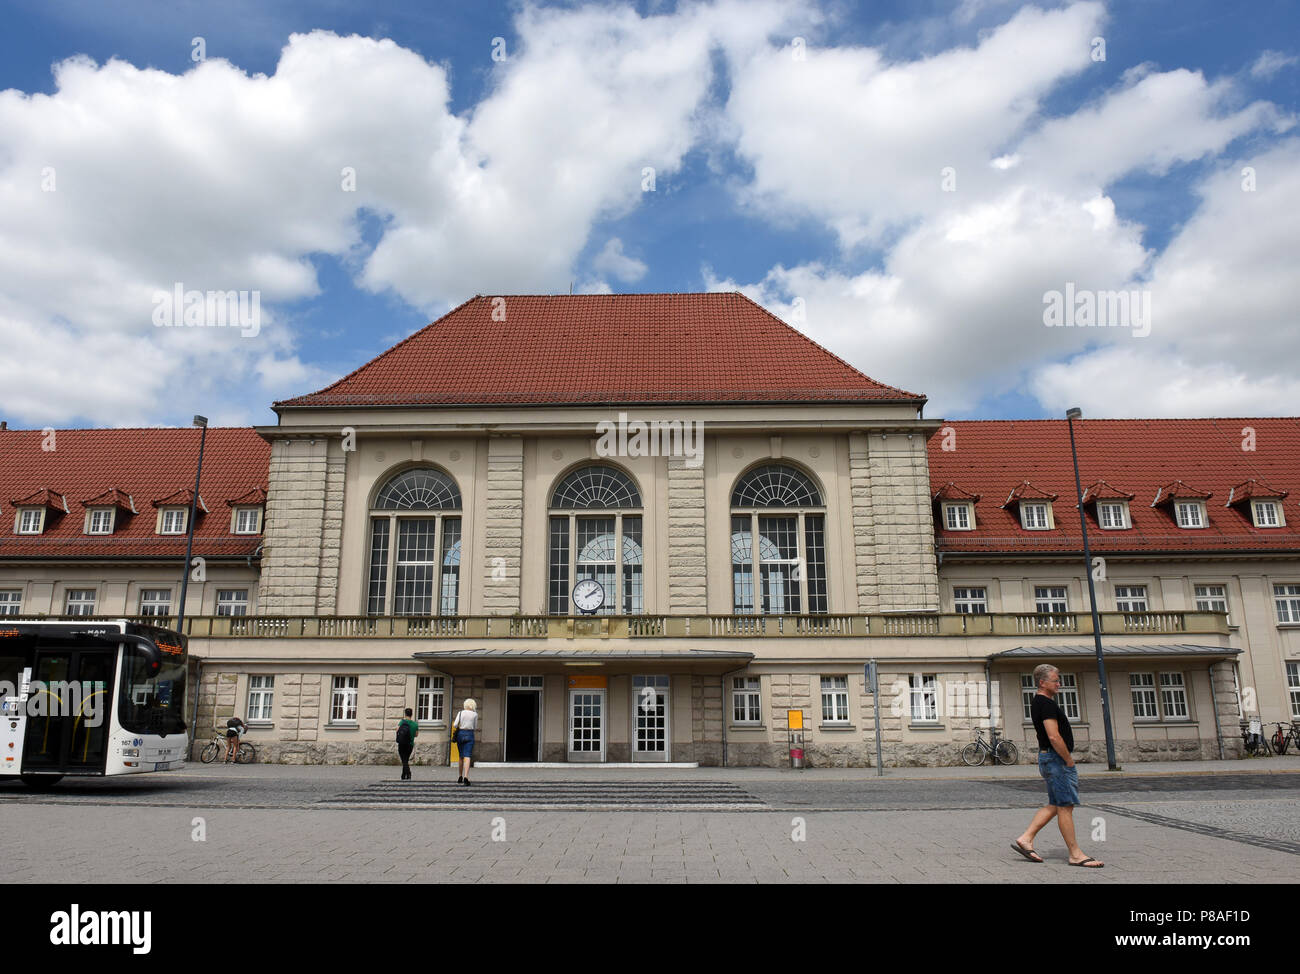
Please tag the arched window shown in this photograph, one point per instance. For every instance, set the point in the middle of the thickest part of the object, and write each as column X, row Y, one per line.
column 419, row 510
column 603, row 542
column 783, row 508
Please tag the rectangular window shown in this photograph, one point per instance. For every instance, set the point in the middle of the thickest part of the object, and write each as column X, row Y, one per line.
column 429, row 692
column 1028, row 690
column 746, row 700
column 925, row 697
column 778, row 552
column 261, row 690
column 31, row 520
column 815, row 553
column 413, row 583
column 247, row 520
column 377, row 595
column 835, row 699
column 1212, row 598
column 1131, row 598
column 1287, row 600
column 633, row 577
column 449, row 587
column 79, row 602
column 1050, row 599
column 971, row 601
column 957, row 517
column 343, row 700
column 100, row 521
column 173, row 521
column 1293, row 687
column 742, row 565
column 1173, row 696
column 1266, row 514
column 11, row 602
column 1189, row 515
column 232, row 602
column 156, row 602
column 1067, row 697
column 1034, row 516
column 559, row 589
column 1143, row 688
column 1111, row 516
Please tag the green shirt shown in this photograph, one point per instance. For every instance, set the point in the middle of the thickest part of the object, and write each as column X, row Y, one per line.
column 415, row 728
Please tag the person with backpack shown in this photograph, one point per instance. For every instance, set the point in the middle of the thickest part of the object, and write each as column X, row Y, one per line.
column 406, row 732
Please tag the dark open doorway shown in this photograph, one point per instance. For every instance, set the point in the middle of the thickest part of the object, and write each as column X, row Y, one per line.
column 523, row 710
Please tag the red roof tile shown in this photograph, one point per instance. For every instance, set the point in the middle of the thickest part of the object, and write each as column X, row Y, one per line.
column 1145, row 455
column 146, row 464
column 112, row 498
column 604, row 348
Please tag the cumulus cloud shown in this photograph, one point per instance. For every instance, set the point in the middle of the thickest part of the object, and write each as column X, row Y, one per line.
column 612, row 260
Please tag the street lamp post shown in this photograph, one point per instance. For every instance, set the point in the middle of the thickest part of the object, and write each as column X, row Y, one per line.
column 1071, row 415
column 202, row 423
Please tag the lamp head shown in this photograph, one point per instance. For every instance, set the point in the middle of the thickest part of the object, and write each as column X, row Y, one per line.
column 1074, row 412
column 201, row 421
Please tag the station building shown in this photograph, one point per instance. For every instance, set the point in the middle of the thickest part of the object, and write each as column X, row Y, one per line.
column 759, row 518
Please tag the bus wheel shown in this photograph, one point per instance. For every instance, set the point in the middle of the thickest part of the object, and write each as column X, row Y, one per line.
column 41, row 782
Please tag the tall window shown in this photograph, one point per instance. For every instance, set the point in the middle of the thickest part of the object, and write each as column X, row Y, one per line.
column 418, row 549
column 1067, row 696
column 1287, row 600
column 595, row 533
column 1293, row 687
column 1212, row 598
column 261, row 690
column 784, row 510
column 156, row 602
column 835, row 699
column 1143, row 688
column 343, row 700
column 429, row 692
column 925, row 697
column 746, row 700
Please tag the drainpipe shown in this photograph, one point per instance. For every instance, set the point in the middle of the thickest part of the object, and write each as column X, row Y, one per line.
column 1214, row 705
column 988, row 694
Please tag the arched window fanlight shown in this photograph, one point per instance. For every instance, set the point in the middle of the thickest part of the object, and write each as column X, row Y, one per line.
column 596, row 488
column 424, row 489
column 775, row 486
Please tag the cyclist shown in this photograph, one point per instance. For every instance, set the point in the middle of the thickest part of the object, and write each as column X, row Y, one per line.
column 234, row 727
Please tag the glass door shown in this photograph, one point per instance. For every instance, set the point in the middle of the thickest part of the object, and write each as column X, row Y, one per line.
column 650, row 718
column 587, row 725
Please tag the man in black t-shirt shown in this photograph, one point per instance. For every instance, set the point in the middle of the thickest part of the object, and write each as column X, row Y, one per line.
column 1056, row 765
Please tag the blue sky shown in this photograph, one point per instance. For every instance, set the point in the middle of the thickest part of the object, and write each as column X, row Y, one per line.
column 813, row 183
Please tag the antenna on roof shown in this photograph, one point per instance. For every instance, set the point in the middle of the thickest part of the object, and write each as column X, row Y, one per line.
column 570, row 289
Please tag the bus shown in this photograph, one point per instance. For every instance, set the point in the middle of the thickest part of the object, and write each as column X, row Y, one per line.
column 92, row 698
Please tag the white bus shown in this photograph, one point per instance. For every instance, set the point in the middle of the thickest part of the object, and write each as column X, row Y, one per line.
column 92, row 698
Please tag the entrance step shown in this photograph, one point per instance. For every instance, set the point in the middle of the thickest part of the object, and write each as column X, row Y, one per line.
column 588, row 795
column 640, row 765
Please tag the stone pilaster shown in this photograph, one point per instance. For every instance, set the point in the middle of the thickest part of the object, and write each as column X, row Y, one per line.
column 901, row 525
column 504, row 525
column 687, row 562
column 295, row 516
column 331, row 537
column 864, row 545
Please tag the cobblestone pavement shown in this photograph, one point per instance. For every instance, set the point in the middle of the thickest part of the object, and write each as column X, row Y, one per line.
column 359, row 824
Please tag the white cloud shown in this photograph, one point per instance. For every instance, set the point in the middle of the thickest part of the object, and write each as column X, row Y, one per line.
column 612, row 260
column 1270, row 63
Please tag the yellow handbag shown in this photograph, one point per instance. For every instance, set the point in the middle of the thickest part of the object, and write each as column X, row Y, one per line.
column 453, row 755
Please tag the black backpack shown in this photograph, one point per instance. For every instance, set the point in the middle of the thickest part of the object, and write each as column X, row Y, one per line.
column 403, row 733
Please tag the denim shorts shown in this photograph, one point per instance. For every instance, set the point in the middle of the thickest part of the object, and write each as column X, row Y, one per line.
column 465, row 741
column 1062, row 782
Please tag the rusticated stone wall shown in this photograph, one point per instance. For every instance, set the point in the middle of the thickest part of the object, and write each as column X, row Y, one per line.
column 688, row 587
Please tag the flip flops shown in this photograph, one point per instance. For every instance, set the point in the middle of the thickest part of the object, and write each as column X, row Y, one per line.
column 1089, row 863
column 1029, row 854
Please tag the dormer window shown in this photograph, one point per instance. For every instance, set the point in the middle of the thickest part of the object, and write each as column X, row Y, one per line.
column 1112, row 515
column 957, row 517
column 246, row 520
column 30, row 520
column 1034, row 517
column 99, row 520
column 1267, row 514
column 1190, row 514
column 171, row 520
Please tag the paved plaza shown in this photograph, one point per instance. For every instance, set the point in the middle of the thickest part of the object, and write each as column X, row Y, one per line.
column 1187, row 823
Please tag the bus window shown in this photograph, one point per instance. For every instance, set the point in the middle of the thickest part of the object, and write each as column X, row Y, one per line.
column 152, row 701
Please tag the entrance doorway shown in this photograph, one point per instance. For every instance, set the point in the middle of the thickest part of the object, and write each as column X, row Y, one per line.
column 650, row 718
column 587, row 725
column 523, row 718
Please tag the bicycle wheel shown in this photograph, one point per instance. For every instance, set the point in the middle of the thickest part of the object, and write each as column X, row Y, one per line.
column 210, row 753
column 1279, row 743
column 247, row 754
column 973, row 755
column 1006, row 753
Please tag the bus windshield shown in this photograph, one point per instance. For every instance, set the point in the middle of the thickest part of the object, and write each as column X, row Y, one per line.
column 152, row 701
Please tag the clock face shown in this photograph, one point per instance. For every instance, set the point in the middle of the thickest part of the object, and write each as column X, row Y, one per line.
column 588, row 595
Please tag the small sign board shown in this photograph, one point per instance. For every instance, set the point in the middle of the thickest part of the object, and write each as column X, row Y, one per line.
column 869, row 671
column 588, row 682
column 794, row 719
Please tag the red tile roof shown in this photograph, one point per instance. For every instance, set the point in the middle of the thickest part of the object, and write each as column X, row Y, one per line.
column 148, row 465
column 1144, row 455
column 604, row 348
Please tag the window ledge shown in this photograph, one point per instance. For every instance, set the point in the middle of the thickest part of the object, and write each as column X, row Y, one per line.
column 1179, row 722
column 259, row 724
column 431, row 724
column 343, row 725
column 836, row 727
column 927, row 726
column 757, row 727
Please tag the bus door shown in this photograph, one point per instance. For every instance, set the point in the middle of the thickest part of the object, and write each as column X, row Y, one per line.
column 69, row 711
column 15, row 674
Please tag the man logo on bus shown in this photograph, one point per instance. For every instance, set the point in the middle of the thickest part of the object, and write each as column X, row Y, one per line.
column 58, row 698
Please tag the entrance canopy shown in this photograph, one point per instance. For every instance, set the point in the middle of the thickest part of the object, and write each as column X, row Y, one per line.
column 573, row 661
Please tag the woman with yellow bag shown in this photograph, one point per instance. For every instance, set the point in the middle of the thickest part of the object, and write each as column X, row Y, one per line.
column 462, row 737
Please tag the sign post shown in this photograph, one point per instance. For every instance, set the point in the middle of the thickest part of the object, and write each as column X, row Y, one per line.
column 872, row 675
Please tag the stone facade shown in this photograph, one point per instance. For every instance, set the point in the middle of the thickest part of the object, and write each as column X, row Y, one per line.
column 303, row 527
column 504, row 526
column 688, row 588
column 900, row 524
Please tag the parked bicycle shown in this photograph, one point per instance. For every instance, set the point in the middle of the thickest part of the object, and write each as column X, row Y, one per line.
column 1004, row 752
column 1283, row 739
column 1252, row 736
column 215, row 748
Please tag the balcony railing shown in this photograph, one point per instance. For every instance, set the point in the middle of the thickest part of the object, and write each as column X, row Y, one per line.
column 887, row 625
